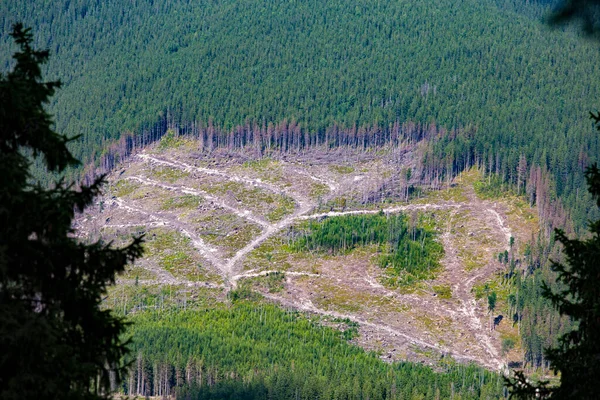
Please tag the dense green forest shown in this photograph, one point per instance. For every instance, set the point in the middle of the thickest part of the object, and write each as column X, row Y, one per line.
column 483, row 80
column 251, row 350
column 409, row 252
column 490, row 65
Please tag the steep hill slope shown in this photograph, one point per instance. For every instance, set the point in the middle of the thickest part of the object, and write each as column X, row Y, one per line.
column 228, row 223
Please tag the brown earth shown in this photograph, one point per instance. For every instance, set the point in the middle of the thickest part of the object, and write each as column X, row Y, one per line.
column 214, row 222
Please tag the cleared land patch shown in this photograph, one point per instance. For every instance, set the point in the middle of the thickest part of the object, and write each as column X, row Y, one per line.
column 341, row 240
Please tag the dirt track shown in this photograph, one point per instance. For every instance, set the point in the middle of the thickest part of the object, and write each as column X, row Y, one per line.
column 464, row 310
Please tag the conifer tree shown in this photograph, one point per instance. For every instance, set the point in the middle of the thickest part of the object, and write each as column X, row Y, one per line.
column 56, row 341
column 577, row 357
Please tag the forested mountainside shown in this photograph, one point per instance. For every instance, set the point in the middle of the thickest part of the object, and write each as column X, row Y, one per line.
column 254, row 351
column 517, row 92
column 479, row 83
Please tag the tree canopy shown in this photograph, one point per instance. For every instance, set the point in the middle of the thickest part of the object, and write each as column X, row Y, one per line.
column 577, row 355
column 488, row 64
column 55, row 340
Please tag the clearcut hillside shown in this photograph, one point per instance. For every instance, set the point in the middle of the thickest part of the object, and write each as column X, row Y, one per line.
column 342, row 234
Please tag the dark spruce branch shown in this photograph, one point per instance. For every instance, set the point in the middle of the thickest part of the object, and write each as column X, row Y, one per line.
column 56, row 342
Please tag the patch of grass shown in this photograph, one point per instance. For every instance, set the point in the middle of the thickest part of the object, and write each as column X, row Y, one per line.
column 454, row 193
column 433, row 220
column 318, row 190
column 467, row 178
column 244, row 292
column 171, row 248
column 273, row 206
column 223, row 188
column 508, row 334
column 502, row 290
column 159, row 240
column 521, row 215
column 136, row 271
column 176, row 261
column 174, row 253
column 239, row 237
column 342, row 169
column 491, row 187
column 482, row 290
column 167, row 174
column 472, row 258
column 427, row 321
column 426, row 352
column 261, row 165
column 434, row 326
column 507, row 345
column 333, row 296
column 285, row 207
column 215, row 221
column 272, row 253
column 443, row 291
column 521, row 206
column 272, row 282
column 197, row 273
column 124, row 188
column 187, row 201
column 267, row 169
column 225, row 230
column 170, row 141
column 339, row 298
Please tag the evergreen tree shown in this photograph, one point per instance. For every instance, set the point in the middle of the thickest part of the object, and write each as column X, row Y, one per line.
column 577, row 357
column 56, row 342
column 492, row 302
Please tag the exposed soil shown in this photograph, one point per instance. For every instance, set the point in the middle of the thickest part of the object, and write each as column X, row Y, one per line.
column 402, row 324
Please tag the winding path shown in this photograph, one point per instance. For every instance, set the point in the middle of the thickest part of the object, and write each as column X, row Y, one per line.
column 208, row 252
column 307, row 306
column 230, row 269
column 246, row 214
